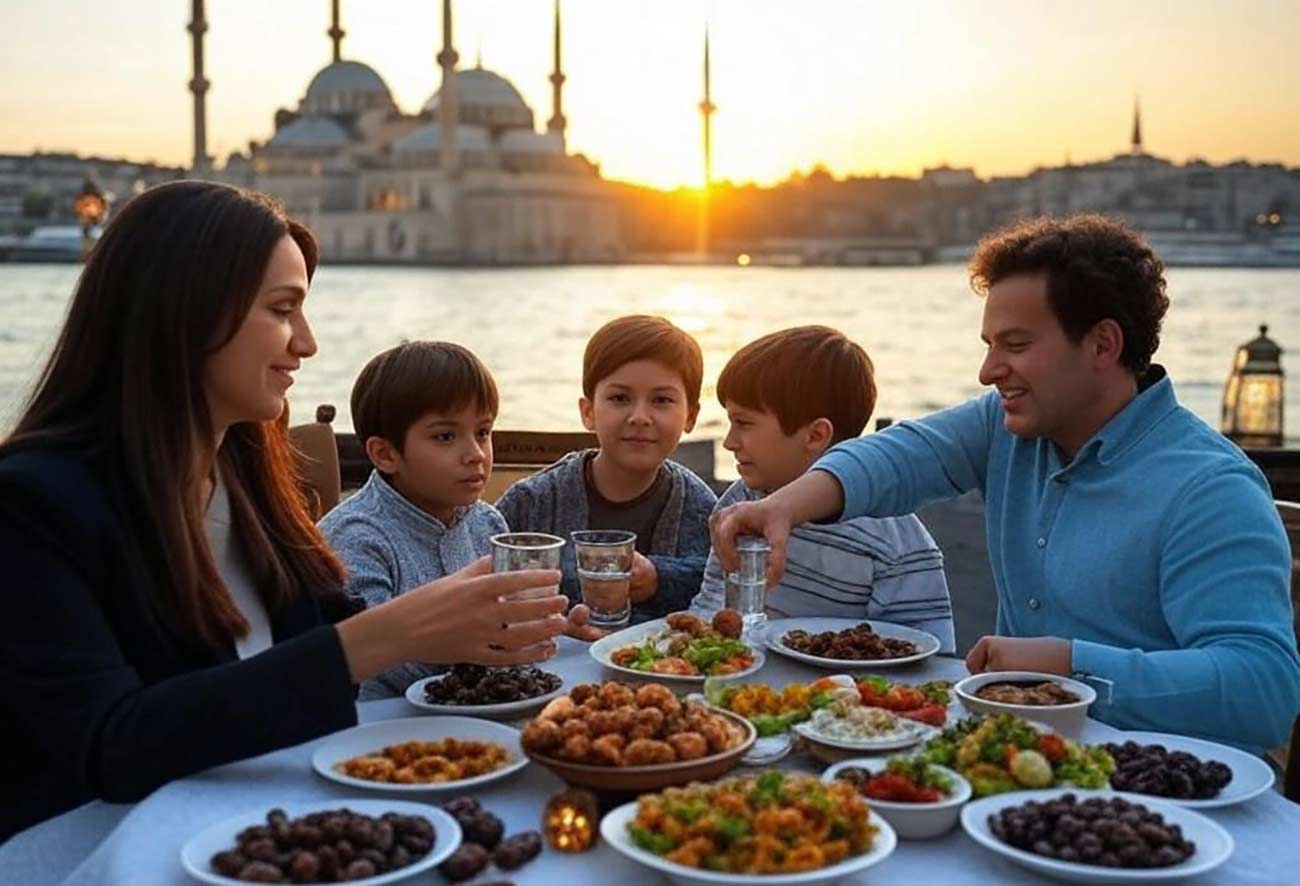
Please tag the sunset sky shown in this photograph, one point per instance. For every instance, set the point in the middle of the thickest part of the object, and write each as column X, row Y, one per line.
column 864, row 87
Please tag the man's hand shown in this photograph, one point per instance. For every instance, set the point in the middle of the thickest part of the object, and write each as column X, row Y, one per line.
column 751, row 518
column 577, row 626
column 1045, row 655
column 645, row 579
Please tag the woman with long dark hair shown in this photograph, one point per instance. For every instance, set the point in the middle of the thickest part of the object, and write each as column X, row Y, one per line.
column 168, row 603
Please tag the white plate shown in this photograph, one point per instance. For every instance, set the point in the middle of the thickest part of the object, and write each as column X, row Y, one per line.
column 1251, row 776
column 504, row 710
column 927, row 644
column 613, row 829
column 768, row 750
column 1213, row 844
column 197, row 854
column 917, row 733
column 370, row 738
column 912, row 821
column 603, row 648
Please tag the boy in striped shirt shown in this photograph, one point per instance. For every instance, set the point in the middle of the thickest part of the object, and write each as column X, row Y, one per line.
column 789, row 397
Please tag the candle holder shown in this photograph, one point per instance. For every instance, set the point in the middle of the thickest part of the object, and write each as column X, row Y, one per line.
column 571, row 820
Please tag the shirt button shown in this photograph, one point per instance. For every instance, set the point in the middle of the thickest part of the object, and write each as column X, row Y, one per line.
column 1042, row 542
column 1033, row 603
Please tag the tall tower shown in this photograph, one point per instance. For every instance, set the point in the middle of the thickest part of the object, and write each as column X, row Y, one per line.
column 557, row 122
column 448, row 106
column 336, row 33
column 1135, row 146
column 199, row 86
column 707, row 109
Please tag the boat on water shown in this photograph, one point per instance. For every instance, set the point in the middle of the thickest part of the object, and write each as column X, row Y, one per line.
column 50, row 243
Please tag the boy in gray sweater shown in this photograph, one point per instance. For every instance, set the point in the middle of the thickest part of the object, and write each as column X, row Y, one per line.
column 641, row 380
column 424, row 412
column 790, row 396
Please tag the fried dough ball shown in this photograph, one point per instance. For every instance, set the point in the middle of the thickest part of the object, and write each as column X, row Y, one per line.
column 624, row 718
column 602, row 723
column 685, row 621
column 689, row 745
column 624, row 656
column 715, row 732
column 657, row 695
column 583, row 691
column 673, row 665
column 614, row 695
column 575, row 726
column 542, row 735
column 728, row 623
column 648, row 752
column 608, row 750
column 559, row 709
column 576, row 748
column 646, row 723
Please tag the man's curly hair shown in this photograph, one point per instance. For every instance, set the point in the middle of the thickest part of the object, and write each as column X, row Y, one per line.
column 1096, row 269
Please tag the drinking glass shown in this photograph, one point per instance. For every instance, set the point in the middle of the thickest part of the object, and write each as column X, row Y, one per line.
column 746, row 587
column 605, row 573
column 513, row 551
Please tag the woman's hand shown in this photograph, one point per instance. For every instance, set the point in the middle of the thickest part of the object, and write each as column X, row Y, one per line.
column 468, row 616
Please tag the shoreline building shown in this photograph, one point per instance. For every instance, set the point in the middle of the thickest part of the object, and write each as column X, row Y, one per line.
column 467, row 179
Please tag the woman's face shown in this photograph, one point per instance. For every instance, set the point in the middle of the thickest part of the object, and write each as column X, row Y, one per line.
column 246, row 379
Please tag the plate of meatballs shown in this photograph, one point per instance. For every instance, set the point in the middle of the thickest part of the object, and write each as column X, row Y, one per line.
column 616, row 737
column 682, row 648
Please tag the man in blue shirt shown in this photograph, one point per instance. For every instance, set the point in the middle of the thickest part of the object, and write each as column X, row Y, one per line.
column 1131, row 544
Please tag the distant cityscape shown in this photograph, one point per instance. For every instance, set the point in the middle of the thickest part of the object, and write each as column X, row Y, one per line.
column 468, row 180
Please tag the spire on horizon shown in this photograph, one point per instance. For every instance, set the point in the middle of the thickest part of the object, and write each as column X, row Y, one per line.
column 1135, row 145
column 707, row 109
column 448, row 106
column 557, row 122
column 199, row 87
column 336, row 32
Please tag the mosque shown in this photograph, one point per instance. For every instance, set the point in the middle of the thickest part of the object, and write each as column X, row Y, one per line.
column 466, row 180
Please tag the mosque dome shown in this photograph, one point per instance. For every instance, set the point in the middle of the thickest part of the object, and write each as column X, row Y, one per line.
column 428, row 138
column 310, row 132
column 520, row 141
column 486, row 98
column 346, row 87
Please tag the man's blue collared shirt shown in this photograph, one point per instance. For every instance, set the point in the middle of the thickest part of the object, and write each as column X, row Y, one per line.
column 1157, row 550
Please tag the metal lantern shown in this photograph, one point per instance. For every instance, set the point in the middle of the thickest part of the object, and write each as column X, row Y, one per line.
column 1252, row 399
column 571, row 821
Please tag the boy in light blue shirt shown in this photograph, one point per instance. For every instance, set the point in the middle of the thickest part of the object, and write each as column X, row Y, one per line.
column 1131, row 544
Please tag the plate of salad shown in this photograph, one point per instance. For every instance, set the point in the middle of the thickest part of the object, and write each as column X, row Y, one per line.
column 1007, row 753
column 775, row 711
column 927, row 703
column 682, row 647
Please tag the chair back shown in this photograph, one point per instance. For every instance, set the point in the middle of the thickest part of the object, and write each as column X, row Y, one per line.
column 317, row 455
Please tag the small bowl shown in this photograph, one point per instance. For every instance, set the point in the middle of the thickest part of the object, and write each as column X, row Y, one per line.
column 911, row 821
column 1066, row 719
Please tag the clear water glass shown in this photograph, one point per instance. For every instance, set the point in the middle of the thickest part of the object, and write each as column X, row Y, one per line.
column 605, row 574
column 746, row 588
column 513, row 551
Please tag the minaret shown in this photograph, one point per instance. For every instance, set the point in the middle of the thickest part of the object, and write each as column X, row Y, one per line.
column 1135, row 147
column 336, row 33
column 706, row 113
column 199, row 86
column 557, row 122
column 448, row 106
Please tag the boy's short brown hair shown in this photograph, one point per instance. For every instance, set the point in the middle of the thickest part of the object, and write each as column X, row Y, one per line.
column 800, row 375
column 642, row 337
column 403, row 384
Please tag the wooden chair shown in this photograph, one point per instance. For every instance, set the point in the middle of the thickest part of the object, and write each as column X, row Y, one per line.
column 317, row 455
column 1288, row 757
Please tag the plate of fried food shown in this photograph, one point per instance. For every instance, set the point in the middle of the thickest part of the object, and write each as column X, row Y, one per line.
column 618, row 737
column 682, row 647
column 415, row 754
column 475, row 690
column 849, row 643
column 774, row 827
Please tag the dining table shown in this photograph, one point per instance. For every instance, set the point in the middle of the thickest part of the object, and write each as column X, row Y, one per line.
column 140, row 843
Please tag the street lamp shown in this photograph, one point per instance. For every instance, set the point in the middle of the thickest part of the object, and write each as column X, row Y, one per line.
column 90, row 208
column 1252, row 398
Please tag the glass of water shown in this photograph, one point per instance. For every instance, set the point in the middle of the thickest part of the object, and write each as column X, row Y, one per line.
column 746, row 587
column 513, row 551
column 605, row 573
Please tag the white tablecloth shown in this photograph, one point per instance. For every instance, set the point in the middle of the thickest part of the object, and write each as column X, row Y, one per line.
column 144, row 846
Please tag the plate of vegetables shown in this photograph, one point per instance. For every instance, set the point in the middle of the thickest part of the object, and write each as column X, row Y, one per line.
column 927, row 703
column 682, row 647
column 774, row 711
column 1007, row 753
